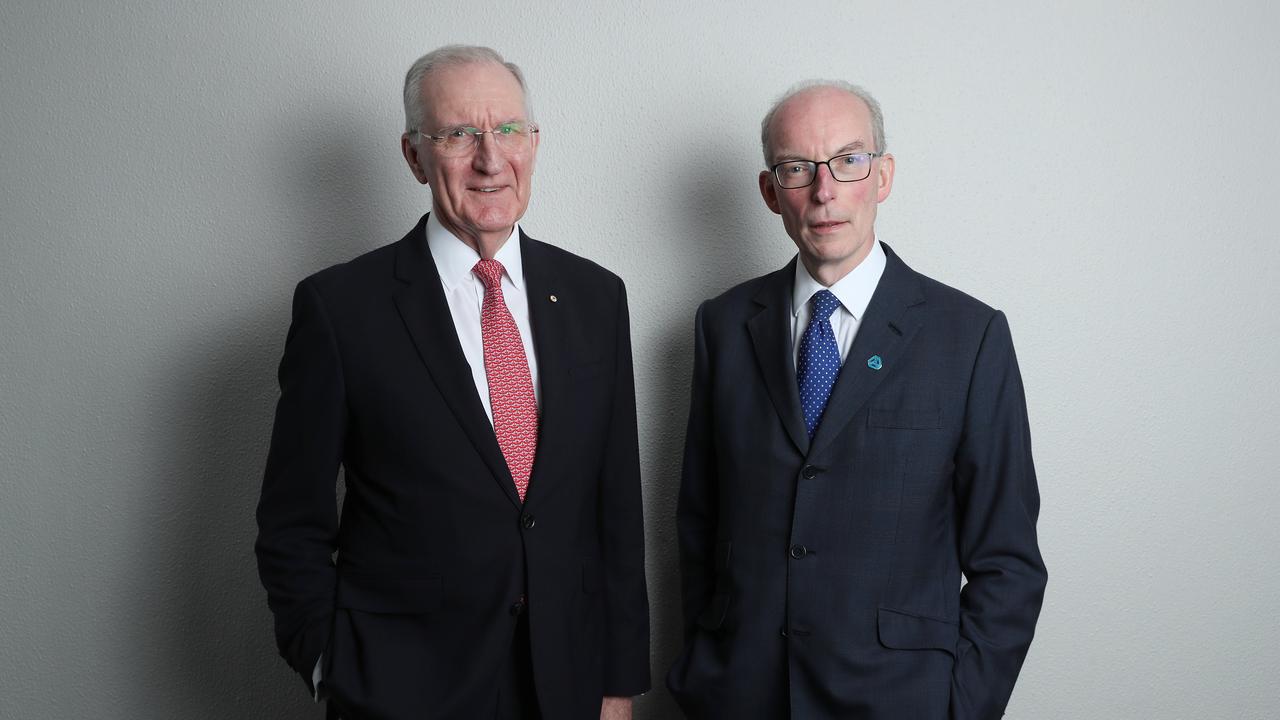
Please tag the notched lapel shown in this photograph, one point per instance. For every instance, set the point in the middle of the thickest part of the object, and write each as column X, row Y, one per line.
column 425, row 312
column 772, row 342
column 886, row 331
column 551, row 342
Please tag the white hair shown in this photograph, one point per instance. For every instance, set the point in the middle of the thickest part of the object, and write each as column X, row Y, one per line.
column 877, row 119
column 415, row 108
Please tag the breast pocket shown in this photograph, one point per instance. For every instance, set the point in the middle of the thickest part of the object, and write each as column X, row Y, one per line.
column 589, row 370
column 897, row 418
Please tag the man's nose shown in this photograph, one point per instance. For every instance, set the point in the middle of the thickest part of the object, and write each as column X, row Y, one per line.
column 824, row 185
column 487, row 158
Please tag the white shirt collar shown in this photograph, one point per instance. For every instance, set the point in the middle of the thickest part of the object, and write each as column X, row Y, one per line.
column 854, row 290
column 454, row 259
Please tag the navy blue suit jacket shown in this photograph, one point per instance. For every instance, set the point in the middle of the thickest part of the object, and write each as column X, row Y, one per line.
column 823, row 579
column 434, row 548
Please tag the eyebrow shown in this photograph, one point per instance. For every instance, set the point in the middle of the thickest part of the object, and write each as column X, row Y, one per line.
column 855, row 146
column 499, row 124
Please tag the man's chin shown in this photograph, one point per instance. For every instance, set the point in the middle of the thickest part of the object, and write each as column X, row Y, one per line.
column 831, row 248
column 493, row 222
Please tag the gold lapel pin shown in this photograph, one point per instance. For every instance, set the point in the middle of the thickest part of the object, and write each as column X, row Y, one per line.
column 553, row 298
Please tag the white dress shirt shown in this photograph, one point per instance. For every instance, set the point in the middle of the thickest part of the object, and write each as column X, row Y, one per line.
column 465, row 294
column 854, row 293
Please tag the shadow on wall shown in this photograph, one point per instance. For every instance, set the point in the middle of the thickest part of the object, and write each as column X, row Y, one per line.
column 213, row 631
column 718, row 250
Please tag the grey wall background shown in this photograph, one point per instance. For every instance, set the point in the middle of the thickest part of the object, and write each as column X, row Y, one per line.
column 1104, row 173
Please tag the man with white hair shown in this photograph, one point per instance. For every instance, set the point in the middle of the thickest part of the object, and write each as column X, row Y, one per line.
column 475, row 385
column 857, row 441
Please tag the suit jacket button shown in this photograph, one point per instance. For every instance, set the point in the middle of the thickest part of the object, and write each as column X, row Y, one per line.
column 809, row 472
column 528, row 521
column 798, row 551
column 517, row 607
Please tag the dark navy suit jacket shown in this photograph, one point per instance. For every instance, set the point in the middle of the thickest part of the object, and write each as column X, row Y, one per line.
column 434, row 549
column 823, row 579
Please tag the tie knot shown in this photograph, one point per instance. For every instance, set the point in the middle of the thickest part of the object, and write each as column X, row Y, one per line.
column 490, row 273
column 824, row 303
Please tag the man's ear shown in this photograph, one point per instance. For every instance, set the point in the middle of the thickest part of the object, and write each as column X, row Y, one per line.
column 769, row 192
column 885, row 178
column 533, row 161
column 414, row 158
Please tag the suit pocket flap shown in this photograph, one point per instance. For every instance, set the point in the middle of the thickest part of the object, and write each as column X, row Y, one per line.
column 904, row 418
column 903, row 631
column 389, row 592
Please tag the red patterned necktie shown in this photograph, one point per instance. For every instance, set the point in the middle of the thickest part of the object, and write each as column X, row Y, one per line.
column 515, row 412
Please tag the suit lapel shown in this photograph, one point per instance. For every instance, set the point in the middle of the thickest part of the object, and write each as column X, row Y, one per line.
column 771, row 337
column 884, row 332
column 550, row 341
column 425, row 312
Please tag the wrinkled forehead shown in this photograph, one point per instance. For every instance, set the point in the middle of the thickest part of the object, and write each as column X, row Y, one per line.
column 479, row 92
column 820, row 124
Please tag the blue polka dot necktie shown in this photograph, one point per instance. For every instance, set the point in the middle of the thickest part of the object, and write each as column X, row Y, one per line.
column 819, row 361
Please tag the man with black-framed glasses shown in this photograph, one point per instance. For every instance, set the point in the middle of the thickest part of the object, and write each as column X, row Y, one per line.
column 475, row 386
column 857, row 441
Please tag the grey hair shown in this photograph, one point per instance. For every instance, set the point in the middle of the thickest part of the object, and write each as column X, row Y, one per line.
column 877, row 118
column 449, row 55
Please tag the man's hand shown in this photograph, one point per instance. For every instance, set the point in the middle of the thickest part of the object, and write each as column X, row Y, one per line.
column 615, row 708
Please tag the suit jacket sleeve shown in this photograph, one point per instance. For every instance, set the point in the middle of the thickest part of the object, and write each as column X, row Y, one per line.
column 998, row 502
column 621, row 519
column 696, row 515
column 297, row 512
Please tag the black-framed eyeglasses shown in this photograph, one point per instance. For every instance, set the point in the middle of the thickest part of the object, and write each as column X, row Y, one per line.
column 793, row 174
column 511, row 137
